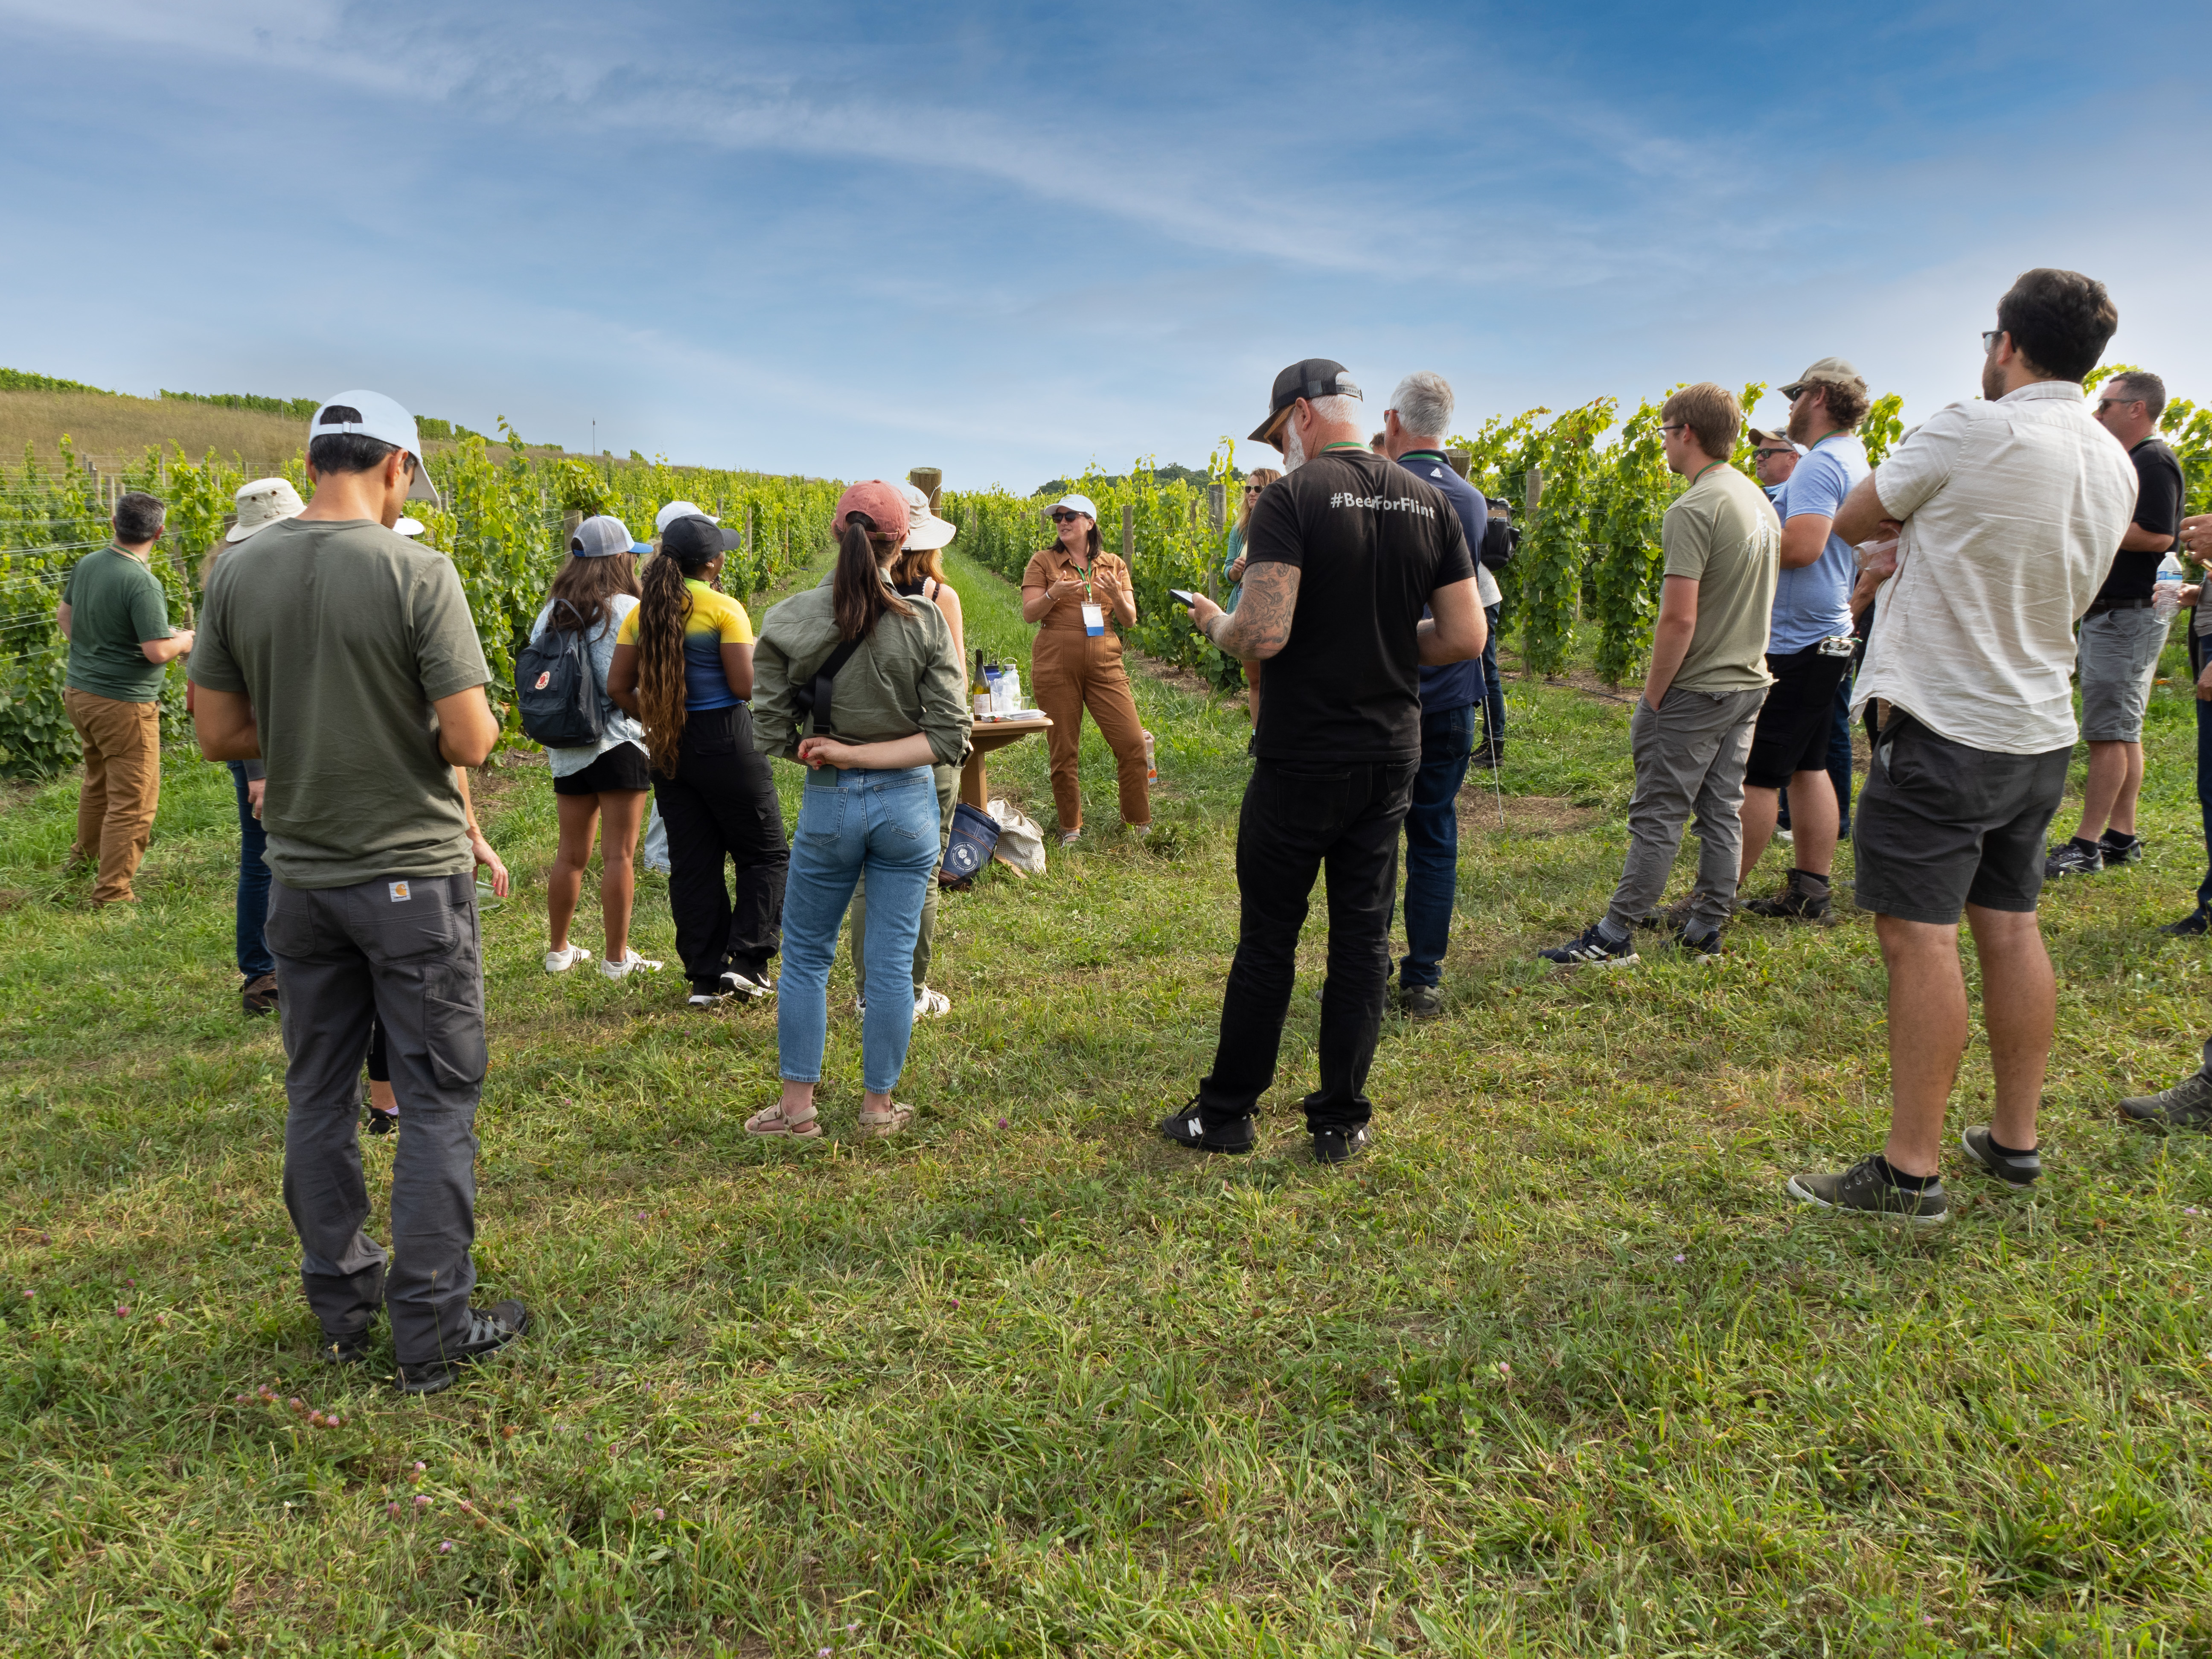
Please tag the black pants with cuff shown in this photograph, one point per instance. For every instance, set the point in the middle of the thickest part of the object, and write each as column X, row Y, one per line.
column 403, row 952
column 1300, row 817
column 721, row 808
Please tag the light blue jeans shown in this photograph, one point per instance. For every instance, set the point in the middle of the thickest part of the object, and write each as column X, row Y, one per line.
column 884, row 823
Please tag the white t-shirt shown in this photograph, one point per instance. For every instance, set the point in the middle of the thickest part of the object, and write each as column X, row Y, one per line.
column 2012, row 511
column 620, row 727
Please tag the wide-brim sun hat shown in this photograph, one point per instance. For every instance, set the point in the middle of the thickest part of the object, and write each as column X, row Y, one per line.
column 675, row 510
column 886, row 508
column 1075, row 504
column 262, row 503
column 925, row 531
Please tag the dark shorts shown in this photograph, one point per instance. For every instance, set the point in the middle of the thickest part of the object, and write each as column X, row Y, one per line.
column 1941, row 826
column 1792, row 733
column 623, row 766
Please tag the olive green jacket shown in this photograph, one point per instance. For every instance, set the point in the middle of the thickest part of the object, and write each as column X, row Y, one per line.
column 903, row 679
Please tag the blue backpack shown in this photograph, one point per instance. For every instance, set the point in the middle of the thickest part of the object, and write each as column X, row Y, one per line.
column 555, row 688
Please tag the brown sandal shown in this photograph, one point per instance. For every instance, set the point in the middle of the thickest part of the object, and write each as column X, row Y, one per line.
column 876, row 1125
column 771, row 1122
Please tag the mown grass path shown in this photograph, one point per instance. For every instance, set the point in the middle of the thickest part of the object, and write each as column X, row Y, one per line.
column 1556, row 1369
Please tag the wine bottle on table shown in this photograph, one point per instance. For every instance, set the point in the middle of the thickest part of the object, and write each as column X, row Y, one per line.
column 979, row 690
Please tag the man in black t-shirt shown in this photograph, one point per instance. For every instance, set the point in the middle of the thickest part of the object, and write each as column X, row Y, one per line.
column 1344, row 553
column 2117, row 648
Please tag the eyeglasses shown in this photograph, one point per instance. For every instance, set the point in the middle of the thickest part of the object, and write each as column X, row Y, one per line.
column 1990, row 338
column 2104, row 404
column 1680, row 426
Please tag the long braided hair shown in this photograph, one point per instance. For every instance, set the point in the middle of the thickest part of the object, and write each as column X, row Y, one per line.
column 662, row 608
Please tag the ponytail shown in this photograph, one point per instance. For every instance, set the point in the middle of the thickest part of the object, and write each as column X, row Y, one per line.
column 858, row 591
column 661, row 610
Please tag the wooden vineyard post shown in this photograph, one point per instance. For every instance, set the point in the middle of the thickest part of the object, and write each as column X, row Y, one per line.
column 1129, row 533
column 1217, row 514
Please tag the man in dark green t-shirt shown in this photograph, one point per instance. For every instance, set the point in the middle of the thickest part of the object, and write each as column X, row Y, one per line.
column 120, row 644
column 342, row 656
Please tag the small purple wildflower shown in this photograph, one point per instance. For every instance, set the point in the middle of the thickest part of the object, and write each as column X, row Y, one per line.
column 1681, row 1258
column 392, row 1510
column 444, row 1547
column 660, row 1515
column 421, row 1502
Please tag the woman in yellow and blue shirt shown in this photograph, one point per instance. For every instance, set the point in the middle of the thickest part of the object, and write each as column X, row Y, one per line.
column 683, row 666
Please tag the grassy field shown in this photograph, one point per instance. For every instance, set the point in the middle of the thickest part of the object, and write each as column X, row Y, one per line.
column 1555, row 1369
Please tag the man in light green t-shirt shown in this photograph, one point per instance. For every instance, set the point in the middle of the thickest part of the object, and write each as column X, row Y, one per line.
column 116, row 620
column 342, row 655
column 1691, row 733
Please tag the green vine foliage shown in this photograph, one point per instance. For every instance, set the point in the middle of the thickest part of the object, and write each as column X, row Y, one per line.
column 1547, row 572
column 1628, row 502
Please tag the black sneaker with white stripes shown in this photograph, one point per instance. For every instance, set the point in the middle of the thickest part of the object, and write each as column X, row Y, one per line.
column 2074, row 858
column 1592, row 950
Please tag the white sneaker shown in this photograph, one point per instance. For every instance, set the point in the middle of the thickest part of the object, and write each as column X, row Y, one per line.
column 631, row 963
column 928, row 1003
column 560, row 962
column 744, row 985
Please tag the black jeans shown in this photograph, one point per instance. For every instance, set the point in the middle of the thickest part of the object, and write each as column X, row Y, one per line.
column 1298, row 818
column 721, row 808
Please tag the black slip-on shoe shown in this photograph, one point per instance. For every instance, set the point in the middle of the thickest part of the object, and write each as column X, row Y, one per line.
column 1340, row 1145
column 1865, row 1190
column 378, row 1121
column 489, row 1330
column 2195, row 925
column 1186, row 1129
column 2018, row 1170
column 2187, row 1105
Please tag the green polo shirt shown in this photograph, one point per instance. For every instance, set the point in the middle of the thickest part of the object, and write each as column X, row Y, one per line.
column 115, row 603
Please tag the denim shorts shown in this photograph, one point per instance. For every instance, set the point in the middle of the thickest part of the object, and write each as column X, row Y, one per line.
column 2117, row 658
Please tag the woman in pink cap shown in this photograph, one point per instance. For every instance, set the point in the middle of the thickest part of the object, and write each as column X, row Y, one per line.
column 864, row 687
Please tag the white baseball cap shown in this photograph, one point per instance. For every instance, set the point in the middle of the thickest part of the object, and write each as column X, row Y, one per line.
column 1075, row 504
column 377, row 416
column 408, row 527
column 925, row 531
column 262, row 503
column 675, row 510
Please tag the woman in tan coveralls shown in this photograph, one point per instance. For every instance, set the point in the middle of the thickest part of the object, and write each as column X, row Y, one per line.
column 1072, row 669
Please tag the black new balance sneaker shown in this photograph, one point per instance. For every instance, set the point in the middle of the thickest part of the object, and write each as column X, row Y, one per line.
column 2187, row 1105
column 490, row 1329
column 1865, row 1189
column 1592, row 950
column 1186, row 1129
column 1337, row 1145
column 2076, row 858
column 2018, row 1170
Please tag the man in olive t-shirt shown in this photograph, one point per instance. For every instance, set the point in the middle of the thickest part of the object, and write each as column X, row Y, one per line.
column 342, row 655
column 116, row 620
column 1691, row 732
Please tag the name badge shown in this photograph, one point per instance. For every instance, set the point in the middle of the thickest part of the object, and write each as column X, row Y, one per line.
column 1094, row 620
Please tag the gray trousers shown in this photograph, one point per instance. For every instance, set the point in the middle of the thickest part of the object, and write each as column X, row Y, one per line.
column 1690, row 755
column 948, row 786
column 409, row 953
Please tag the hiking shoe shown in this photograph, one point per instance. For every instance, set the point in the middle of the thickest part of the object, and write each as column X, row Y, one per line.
column 561, row 961
column 1186, row 1129
column 1803, row 897
column 2076, row 858
column 2018, row 1170
column 1339, row 1145
column 352, row 1350
column 259, row 995
column 489, row 1330
column 1865, row 1189
column 1422, row 1002
column 630, row 962
column 2117, row 852
column 2195, row 925
column 1592, row 950
column 1668, row 918
column 751, row 986
column 1705, row 946
column 2187, row 1105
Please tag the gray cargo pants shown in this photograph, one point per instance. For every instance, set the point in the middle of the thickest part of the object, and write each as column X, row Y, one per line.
column 1690, row 755
column 407, row 950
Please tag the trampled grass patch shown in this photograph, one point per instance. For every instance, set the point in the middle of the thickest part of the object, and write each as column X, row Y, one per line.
column 1555, row 1369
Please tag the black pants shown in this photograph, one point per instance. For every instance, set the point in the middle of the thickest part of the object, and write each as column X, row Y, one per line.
column 1298, row 818
column 720, row 807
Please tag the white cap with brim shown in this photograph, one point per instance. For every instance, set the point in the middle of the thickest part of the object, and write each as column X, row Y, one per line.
column 1075, row 504
column 925, row 531
column 383, row 419
column 409, row 527
column 675, row 510
column 262, row 503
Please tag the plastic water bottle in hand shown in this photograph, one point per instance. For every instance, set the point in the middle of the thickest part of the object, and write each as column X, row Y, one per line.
column 2165, row 597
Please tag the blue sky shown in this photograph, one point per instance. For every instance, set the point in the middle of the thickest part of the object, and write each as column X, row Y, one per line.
column 1006, row 240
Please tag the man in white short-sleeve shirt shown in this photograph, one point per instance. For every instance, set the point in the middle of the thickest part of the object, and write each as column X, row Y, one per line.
column 2005, row 513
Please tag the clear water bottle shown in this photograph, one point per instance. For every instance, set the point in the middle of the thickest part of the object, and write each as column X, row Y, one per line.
column 2165, row 597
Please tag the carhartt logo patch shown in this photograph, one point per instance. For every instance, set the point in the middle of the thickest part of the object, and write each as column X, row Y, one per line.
column 399, row 893
column 543, row 680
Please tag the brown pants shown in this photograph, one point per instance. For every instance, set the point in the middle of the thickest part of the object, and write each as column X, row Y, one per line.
column 1070, row 671
column 122, row 786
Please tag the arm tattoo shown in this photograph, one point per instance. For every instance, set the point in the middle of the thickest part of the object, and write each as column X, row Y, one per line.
column 1261, row 624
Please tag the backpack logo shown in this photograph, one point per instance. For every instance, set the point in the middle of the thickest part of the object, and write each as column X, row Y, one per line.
column 543, row 680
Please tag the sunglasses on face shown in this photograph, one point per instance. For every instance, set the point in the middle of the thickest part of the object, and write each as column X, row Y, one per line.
column 1681, row 426
column 1065, row 518
column 1768, row 454
column 2104, row 404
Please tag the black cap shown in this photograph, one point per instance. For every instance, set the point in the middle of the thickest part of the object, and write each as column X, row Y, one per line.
column 694, row 541
column 1317, row 377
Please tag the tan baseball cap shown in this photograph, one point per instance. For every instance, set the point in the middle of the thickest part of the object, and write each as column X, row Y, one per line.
column 1829, row 371
column 1763, row 439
